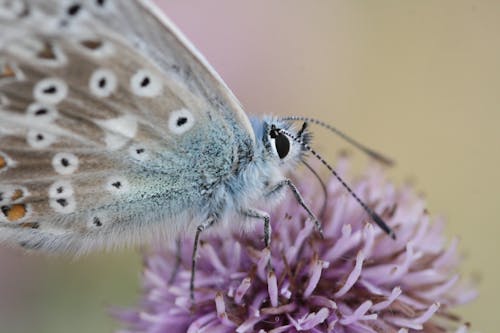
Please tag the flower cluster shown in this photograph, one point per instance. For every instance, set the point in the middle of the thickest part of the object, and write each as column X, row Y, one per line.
column 355, row 279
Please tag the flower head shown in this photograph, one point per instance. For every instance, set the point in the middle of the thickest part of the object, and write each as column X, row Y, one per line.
column 356, row 279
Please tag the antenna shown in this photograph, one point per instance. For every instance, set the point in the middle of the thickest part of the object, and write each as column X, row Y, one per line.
column 373, row 154
column 374, row 216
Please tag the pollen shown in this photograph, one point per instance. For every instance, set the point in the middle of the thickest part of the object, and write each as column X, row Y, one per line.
column 14, row 213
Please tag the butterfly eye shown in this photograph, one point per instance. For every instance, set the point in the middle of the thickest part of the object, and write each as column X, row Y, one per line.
column 282, row 145
column 180, row 121
column 281, row 142
column 50, row 91
column 102, row 83
column 145, row 84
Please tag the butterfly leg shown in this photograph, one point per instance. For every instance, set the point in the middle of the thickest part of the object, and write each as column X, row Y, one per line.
column 288, row 183
column 205, row 225
column 257, row 214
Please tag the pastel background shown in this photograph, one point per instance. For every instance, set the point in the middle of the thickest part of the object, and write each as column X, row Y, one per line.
column 418, row 80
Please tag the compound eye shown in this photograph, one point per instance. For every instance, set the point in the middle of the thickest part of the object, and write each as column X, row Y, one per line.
column 282, row 145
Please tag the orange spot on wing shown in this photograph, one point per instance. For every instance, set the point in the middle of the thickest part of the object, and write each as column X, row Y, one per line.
column 3, row 162
column 47, row 52
column 7, row 71
column 15, row 212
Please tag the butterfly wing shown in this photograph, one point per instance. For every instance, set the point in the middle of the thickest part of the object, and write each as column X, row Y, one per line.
column 109, row 124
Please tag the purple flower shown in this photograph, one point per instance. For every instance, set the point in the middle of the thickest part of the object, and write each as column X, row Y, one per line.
column 356, row 279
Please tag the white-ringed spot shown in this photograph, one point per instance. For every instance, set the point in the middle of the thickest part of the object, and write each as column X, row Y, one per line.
column 61, row 189
column 180, row 121
column 145, row 84
column 40, row 140
column 50, row 91
column 63, row 205
column 95, row 221
column 12, row 194
column 15, row 213
column 102, row 82
column 41, row 113
column 117, row 185
column 65, row 163
column 138, row 153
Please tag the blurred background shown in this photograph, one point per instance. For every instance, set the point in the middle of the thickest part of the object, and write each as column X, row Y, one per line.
column 417, row 80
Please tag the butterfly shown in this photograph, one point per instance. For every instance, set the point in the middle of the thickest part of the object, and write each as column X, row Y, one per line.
column 114, row 130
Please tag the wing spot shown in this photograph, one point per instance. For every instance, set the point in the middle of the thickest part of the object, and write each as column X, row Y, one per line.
column 63, row 205
column 74, row 9
column 97, row 221
column 145, row 84
column 65, row 163
column 61, row 189
column 14, row 213
column 103, row 83
column 63, row 202
column 180, row 121
column 12, row 193
column 138, row 153
column 50, row 91
column 41, row 112
column 40, row 140
column 117, row 185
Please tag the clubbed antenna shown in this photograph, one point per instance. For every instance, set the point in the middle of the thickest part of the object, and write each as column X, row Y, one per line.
column 373, row 154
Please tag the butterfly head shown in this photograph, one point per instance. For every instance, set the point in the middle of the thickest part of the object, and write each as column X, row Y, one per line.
column 285, row 143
